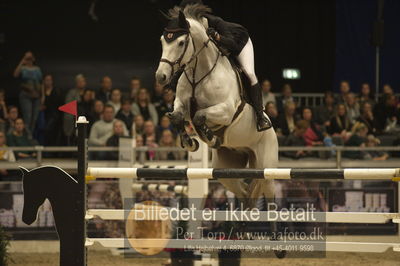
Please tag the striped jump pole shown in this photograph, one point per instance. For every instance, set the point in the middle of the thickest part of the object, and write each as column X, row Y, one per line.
column 178, row 189
column 271, row 173
column 85, row 174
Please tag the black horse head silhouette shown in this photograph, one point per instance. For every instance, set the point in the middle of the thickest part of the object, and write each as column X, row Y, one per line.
column 61, row 190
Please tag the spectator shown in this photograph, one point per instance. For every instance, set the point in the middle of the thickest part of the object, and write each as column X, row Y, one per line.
column 165, row 123
column 287, row 120
column 324, row 112
column 85, row 106
column 296, row 138
column 272, row 113
column 31, row 86
column 115, row 99
column 144, row 107
column 51, row 100
column 138, row 126
column 376, row 155
column 150, row 138
column 125, row 114
column 103, row 93
column 386, row 113
column 113, row 141
column 158, row 94
column 167, row 103
column 13, row 114
column 387, row 90
column 134, row 87
column 344, row 88
column 267, row 95
column 149, row 131
column 20, row 138
column 367, row 118
column 74, row 94
column 353, row 109
column 340, row 123
column 313, row 135
column 366, row 95
column 3, row 111
column 98, row 109
column 357, row 139
column 168, row 140
column 5, row 155
column 139, row 140
column 102, row 130
column 285, row 98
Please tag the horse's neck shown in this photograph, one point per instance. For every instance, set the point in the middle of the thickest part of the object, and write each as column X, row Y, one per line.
column 206, row 58
column 218, row 82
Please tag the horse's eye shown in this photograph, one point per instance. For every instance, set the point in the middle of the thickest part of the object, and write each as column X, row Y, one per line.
column 181, row 43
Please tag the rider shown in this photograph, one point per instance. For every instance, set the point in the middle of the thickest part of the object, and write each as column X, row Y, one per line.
column 235, row 39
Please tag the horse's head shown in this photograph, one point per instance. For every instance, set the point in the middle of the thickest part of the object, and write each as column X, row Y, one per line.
column 33, row 196
column 176, row 48
column 184, row 30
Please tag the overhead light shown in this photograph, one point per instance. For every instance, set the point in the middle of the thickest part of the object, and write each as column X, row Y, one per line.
column 291, row 73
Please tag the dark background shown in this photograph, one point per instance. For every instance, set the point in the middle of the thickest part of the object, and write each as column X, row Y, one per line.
column 327, row 40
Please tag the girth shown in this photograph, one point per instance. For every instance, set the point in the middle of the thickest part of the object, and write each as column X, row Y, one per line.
column 220, row 132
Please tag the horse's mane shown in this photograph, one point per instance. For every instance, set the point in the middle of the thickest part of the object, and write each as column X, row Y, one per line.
column 193, row 11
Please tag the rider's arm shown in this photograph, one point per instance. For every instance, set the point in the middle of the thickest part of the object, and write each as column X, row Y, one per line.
column 225, row 37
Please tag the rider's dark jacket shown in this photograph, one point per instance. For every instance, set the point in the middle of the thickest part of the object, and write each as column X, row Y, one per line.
column 233, row 37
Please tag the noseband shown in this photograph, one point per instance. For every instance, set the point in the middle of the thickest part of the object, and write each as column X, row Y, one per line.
column 179, row 60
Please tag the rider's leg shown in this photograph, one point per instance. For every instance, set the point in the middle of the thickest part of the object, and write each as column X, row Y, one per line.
column 246, row 60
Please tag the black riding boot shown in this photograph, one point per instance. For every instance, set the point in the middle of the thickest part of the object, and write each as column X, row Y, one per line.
column 263, row 123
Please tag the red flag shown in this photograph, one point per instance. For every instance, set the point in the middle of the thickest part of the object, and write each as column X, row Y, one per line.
column 70, row 108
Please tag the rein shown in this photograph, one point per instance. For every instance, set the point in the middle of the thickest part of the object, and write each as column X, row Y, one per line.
column 179, row 60
column 193, row 81
column 182, row 68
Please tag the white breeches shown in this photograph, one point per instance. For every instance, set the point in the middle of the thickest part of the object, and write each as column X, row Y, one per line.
column 246, row 60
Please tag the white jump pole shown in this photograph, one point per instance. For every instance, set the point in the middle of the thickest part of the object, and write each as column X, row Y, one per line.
column 126, row 158
column 197, row 188
column 268, row 173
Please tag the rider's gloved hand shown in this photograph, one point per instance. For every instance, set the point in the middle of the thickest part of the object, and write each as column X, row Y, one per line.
column 213, row 33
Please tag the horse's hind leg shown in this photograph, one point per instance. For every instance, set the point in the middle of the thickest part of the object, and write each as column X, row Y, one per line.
column 225, row 158
column 266, row 156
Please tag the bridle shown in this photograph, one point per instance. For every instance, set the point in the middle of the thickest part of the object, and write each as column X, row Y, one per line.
column 179, row 60
column 182, row 67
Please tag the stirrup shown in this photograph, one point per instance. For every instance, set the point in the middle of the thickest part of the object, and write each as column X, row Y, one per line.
column 266, row 123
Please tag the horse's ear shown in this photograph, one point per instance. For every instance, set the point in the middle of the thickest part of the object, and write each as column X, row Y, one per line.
column 182, row 21
column 23, row 170
column 163, row 17
column 205, row 22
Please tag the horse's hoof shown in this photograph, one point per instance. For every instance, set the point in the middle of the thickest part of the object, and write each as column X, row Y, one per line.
column 217, row 143
column 177, row 119
column 194, row 145
column 280, row 254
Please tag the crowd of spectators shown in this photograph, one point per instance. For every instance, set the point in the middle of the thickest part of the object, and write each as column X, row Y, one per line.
column 355, row 119
column 348, row 118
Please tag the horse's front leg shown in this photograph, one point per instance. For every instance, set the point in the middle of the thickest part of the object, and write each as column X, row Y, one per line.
column 219, row 114
column 178, row 121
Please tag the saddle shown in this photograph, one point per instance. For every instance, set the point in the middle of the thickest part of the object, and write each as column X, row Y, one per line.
column 244, row 87
column 243, row 81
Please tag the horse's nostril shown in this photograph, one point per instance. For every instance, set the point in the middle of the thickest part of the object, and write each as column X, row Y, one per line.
column 164, row 77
